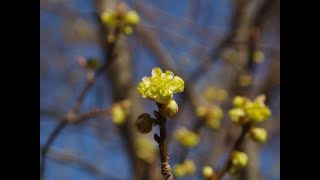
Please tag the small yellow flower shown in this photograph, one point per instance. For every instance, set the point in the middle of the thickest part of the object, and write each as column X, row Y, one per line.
column 109, row 18
column 210, row 93
column 170, row 109
column 258, row 56
column 146, row 150
column 245, row 80
column 190, row 166
column 238, row 101
column 118, row 114
column 160, row 86
column 201, row 111
column 186, row 138
column 213, row 123
column 222, row 95
column 185, row 168
column 132, row 17
column 207, row 172
column 258, row 134
column 127, row 30
column 179, row 170
column 239, row 159
column 235, row 114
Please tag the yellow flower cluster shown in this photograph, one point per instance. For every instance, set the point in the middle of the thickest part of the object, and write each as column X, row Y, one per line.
column 160, row 86
column 121, row 18
column 119, row 112
column 146, row 150
column 246, row 110
column 211, row 114
column 186, row 138
column 239, row 161
column 186, row 168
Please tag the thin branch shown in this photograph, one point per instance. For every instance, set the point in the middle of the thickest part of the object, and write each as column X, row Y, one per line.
column 236, row 146
column 164, row 157
column 75, row 108
column 68, row 158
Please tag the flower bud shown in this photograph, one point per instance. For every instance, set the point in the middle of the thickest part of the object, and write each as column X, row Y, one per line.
column 235, row 114
column 118, row 114
column 207, row 172
column 258, row 134
column 238, row 101
column 258, row 57
column 201, row 111
column 170, row 109
column 179, row 170
column 144, row 123
column 127, row 30
column 189, row 166
column 132, row 17
column 239, row 159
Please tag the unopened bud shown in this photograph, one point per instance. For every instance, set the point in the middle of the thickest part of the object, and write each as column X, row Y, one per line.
column 258, row 134
column 170, row 109
column 207, row 172
column 144, row 123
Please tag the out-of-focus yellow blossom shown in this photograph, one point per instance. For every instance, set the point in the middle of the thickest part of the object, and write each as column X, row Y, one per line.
column 127, row 30
column 118, row 114
column 170, row 109
column 132, row 17
column 207, row 172
column 121, row 18
column 235, row 114
column 245, row 80
column 179, row 170
column 258, row 56
column 109, row 18
column 146, row 150
column 256, row 111
column 184, row 169
column 239, row 161
column 238, row 101
column 160, row 86
column 258, row 134
column 119, row 111
column 213, row 123
column 212, row 93
column 186, row 138
column 222, row 95
column 230, row 55
column 211, row 114
column 190, row 166
column 201, row 111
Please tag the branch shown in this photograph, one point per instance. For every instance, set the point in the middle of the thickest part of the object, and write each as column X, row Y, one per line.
column 236, row 146
column 165, row 166
column 68, row 158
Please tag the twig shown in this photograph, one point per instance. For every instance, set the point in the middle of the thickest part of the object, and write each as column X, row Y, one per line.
column 165, row 166
column 236, row 146
column 62, row 124
column 68, row 158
